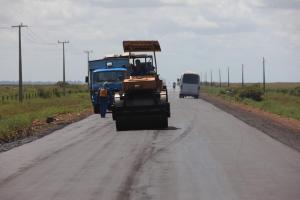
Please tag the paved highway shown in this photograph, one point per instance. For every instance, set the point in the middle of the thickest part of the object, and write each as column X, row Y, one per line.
column 205, row 154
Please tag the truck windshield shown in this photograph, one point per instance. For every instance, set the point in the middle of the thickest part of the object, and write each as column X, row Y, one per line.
column 190, row 78
column 112, row 76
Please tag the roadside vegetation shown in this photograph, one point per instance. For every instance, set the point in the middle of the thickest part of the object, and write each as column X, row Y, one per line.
column 46, row 101
column 281, row 99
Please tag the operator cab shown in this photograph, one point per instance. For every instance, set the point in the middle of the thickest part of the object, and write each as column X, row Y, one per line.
column 141, row 65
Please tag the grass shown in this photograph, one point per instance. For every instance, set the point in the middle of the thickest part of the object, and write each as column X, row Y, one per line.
column 15, row 116
column 42, row 90
column 279, row 99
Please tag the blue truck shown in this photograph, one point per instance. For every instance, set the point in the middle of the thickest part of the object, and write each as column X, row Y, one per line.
column 110, row 70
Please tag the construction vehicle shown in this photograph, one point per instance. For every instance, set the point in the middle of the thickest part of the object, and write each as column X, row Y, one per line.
column 111, row 70
column 143, row 101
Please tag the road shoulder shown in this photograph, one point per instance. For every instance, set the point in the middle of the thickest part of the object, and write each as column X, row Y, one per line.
column 285, row 130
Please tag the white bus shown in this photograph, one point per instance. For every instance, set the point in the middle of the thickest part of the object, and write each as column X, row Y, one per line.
column 189, row 85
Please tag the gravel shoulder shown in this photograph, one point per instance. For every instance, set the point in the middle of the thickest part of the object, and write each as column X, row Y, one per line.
column 285, row 130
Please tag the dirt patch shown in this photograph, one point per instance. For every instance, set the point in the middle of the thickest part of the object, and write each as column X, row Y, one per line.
column 283, row 129
column 40, row 128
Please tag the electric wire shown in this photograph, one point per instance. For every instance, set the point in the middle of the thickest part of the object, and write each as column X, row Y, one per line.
column 39, row 38
column 5, row 28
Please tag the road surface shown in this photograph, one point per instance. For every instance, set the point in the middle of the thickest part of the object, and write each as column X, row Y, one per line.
column 205, row 154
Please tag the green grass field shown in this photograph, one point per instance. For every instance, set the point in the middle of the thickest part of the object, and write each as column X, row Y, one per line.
column 15, row 116
column 41, row 90
column 282, row 99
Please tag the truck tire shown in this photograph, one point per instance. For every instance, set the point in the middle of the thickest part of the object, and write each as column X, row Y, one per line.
column 119, row 125
column 165, row 123
column 96, row 109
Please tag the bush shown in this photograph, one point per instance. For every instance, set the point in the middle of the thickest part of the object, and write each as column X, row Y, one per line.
column 56, row 92
column 44, row 93
column 250, row 92
column 222, row 92
column 295, row 91
column 62, row 84
column 283, row 90
column 229, row 91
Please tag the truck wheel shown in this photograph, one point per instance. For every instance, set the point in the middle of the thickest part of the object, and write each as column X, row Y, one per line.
column 119, row 125
column 96, row 109
column 163, row 123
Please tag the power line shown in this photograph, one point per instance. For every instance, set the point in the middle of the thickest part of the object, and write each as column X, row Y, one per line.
column 5, row 27
column 40, row 38
column 30, row 38
column 33, row 38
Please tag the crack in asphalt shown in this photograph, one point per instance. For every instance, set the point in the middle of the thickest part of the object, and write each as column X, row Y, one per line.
column 141, row 159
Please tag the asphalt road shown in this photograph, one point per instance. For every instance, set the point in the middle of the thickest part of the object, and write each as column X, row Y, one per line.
column 205, row 154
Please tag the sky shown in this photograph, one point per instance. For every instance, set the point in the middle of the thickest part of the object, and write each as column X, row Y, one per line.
column 202, row 36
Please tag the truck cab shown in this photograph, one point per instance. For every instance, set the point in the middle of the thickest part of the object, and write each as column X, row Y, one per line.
column 111, row 70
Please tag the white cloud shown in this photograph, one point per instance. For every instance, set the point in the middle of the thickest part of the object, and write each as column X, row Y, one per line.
column 206, row 32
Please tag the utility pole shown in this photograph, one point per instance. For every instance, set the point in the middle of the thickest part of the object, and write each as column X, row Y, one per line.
column 201, row 78
column 211, row 78
column 220, row 85
column 242, row 75
column 227, row 76
column 264, row 75
column 20, row 62
column 64, row 73
column 88, row 59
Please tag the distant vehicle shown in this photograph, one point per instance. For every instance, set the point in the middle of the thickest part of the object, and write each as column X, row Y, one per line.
column 112, row 70
column 174, row 85
column 189, row 85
